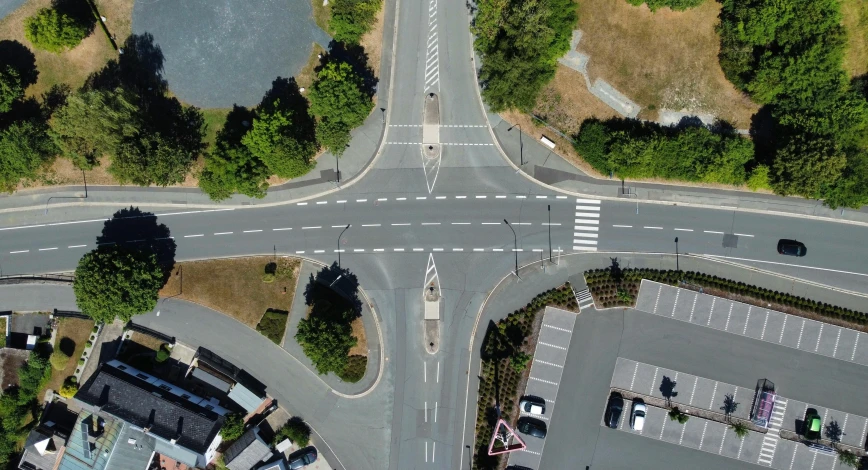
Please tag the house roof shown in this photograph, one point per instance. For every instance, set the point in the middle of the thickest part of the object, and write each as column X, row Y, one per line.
column 35, row 456
column 227, row 372
column 144, row 405
column 215, row 381
column 246, row 452
column 245, row 398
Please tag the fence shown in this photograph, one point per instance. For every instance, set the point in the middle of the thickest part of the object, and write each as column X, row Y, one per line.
column 40, row 278
column 70, row 314
column 147, row 331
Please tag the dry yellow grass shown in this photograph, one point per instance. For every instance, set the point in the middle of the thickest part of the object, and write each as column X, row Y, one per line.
column 361, row 347
column 855, row 13
column 305, row 77
column 372, row 42
column 79, row 331
column 665, row 59
column 234, row 286
column 147, row 341
column 321, row 14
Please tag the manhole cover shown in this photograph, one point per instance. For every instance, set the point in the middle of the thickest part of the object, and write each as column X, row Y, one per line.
column 730, row 240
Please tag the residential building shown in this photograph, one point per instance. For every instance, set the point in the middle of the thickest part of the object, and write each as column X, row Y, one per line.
column 221, row 375
column 247, row 452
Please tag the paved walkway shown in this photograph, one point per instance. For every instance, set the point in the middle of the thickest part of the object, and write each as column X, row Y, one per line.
column 547, row 167
column 104, row 348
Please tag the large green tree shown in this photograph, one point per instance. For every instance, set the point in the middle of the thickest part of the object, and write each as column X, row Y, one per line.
column 233, row 169
column 806, row 165
column 114, row 281
column 11, row 88
column 351, row 19
column 339, row 101
column 326, row 343
column 151, row 159
column 55, row 31
column 24, row 149
column 93, row 123
column 277, row 141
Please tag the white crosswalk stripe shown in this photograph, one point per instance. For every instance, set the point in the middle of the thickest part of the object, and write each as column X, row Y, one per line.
column 432, row 62
column 587, row 219
column 584, row 299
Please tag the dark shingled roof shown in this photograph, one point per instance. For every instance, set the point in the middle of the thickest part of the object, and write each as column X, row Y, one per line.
column 144, row 405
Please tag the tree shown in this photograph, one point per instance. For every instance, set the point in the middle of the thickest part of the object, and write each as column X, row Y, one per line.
column 677, row 415
column 848, row 458
column 231, row 170
column 94, row 123
column 11, row 88
column 24, row 149
column 729, row 406
column 351, row 19
column 69, row 387
column 807, row 164
column 295, row 430
column 117, row 282
column 740, row 429
column 233, row 427
column 325, row 343
column 33, row 377
column 338, row 95
column 59, row 359
column 54, row 31
column 275, row 141
column 333, row 135
column 151, row 159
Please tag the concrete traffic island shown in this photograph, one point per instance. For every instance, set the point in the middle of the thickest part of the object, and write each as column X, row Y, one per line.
column 431, row 298
column 431, row 139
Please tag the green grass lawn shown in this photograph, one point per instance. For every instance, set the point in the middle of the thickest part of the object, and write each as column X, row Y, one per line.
column 3, row 330
column 214, row 120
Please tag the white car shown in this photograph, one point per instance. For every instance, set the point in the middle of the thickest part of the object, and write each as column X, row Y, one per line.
column 533, row 405
column 637, row 416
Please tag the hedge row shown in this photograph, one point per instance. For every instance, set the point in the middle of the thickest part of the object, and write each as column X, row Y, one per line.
column 502, row 341
column 601, row 281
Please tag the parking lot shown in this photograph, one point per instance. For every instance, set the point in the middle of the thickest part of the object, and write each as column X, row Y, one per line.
column 753, row 322
column 545, row 376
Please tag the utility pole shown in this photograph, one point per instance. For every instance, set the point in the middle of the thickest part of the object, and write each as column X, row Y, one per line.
column 339, row 244
column 550, row 233
column 520, row 145
column 515, row 250
column 677, row 268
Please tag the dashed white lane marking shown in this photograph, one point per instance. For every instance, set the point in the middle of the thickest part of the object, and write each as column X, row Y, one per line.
column 722, row 440
column 399, row 249
column 379, row 250
column 361, row 200
column 801, row 331
column 500, row 197
column 633, row 381
column 693, row 392
column 552, row 224
column 311, row 228
column 521, row 197
column 497, row 249
column 518, row 249
column 713, row 393
column 319, row 251
column 437, row 249
column 743, row 235
column 746, row 321
column 693, row 308
column 654, row 380
column 252, row 231
column 740, row 446
column 659, row 290
column 713, row 231
column 223, row 233
column 19, row 251
column 623, row 226
column 684, row 229
column 465, row 223
column 342, row 201
column 299, row 252
column 820, row 335
column 382, row 199
column 684, row 428
column 479, row 197
column 702, row 437
column 439, row 197
column 853, row 356
column 541, row 197
column 430, row 223
column 338, row 226
column 458, row 249
column 322, row 202
column 281, row 229
column 48, row 249
column 653, row 228
column 358, row 250
column 421, row 198
column 662, row 428
column 558, row 328
column 400, row 199
column 531, row 452
column 781, row 338
column 543, row 380
column 491, row 223
column 418, row 249
column 479, row 249
column 675, row 305
column 340, row 251
column 864, row 428
column 552, row 345
column 537, row 250
column 765, row 323
column 548, row 363
column 301, row 204
column 728, row 316
column 560, row 197
column 400, row 225
column 76, row 246
column 710, row 313
column 194, row 236
column 370, row 225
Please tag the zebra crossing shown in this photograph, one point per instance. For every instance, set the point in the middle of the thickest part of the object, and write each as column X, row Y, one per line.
column 587, row 225
column 770, row 440
column 584, row 299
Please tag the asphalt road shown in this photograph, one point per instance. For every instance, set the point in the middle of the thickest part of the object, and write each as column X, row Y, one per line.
column 576, row 437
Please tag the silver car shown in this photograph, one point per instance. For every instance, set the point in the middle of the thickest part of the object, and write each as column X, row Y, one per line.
column 637, row 416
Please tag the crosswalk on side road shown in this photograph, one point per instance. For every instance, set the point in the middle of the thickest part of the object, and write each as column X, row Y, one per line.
column 587, row 225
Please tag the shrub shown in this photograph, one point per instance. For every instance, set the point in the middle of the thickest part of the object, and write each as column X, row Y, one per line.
column 273, row 324
column 355, row 369
column 59, row 360
column 69, row 388
column 88, row 344
column 740, row 429
column 268, row 278
column 54, row 31
column 296, row 431
column 81, row 361
column 677, row 5
column 351, row 19
column 677, row 415
column 163, row 354
column 233, row 427
column 96, row 329
column 519, row 361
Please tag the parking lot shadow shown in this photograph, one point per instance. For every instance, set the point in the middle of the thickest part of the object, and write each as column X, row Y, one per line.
column 667, row 389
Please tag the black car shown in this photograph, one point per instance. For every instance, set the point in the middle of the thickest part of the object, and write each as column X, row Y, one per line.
column 791, row 248
column 532, row 427
column 614, row 409
column 302, row 458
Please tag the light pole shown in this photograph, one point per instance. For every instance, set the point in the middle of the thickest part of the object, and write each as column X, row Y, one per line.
column 550, row 233
column 337, row 170
column 515, row 250
column 520, row 145
column 677, row 268
column 339, row 244
column 85, row 183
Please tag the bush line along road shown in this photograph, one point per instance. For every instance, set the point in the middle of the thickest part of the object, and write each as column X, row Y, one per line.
column 395, row 222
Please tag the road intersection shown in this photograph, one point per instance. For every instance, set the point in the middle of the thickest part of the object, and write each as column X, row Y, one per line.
column 398, row 220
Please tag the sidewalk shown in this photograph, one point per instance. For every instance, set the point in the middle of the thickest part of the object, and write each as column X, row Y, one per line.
column 547, row 167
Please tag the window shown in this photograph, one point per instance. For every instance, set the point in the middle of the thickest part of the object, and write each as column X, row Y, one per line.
column 185, row 396
column 165, row 387
column 209, row 407
column 142, row 376
column 121, row 367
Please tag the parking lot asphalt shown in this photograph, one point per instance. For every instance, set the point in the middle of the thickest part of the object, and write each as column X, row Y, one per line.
column 754, row 322
column 545, row 377
column 696, row 352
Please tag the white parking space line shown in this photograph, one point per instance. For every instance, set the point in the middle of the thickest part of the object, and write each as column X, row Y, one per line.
column 633, row 381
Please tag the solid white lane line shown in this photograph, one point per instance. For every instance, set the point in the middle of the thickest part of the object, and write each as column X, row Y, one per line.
column 623, row 226
column 223, row 233
column 301, row 204
column 76, row 246
column 48, row 249
column 361, row 200
column 430, row 223
column 370, row 225
column 311, row 228
column 322, row 202
column 743, row 235
column 654, row 228
column 399, row 225
column 281, row 229
column 19, row 251
column 683, row 229
column 194, row 236
column 252, row 231
column 713, row 231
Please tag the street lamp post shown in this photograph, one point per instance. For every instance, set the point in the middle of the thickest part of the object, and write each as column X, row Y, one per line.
column 520, row 145
column 515, row 250
column 677, row 268
column 550, row 233
column 339, row 244
column 337, row 169
column 85, row 183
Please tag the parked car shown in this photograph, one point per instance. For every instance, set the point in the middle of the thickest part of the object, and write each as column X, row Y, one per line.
column 302, row 458
column 791, row 248
column 637, row 417
column 613, row 410
column 532, row 427
column 518, row 467
column 813, row 424
column 533, row 405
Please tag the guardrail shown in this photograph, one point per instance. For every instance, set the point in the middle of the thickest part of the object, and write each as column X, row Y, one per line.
column 42, row 278
column 147, row 331
column 70, row 314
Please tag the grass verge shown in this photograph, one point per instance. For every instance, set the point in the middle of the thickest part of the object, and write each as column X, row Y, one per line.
column 678, row 67
column 372, row 41
column 515, row 334
column 72, row 335
column 3, row 329
column 355, row 369
column 273, row 325
column 321, row 14
column 235, row 286
column 214, row 120
column 305, row 77
column 855, row 20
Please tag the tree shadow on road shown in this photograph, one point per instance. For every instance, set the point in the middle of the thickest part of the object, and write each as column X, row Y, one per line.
column 137, row 229
column 333, row 294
